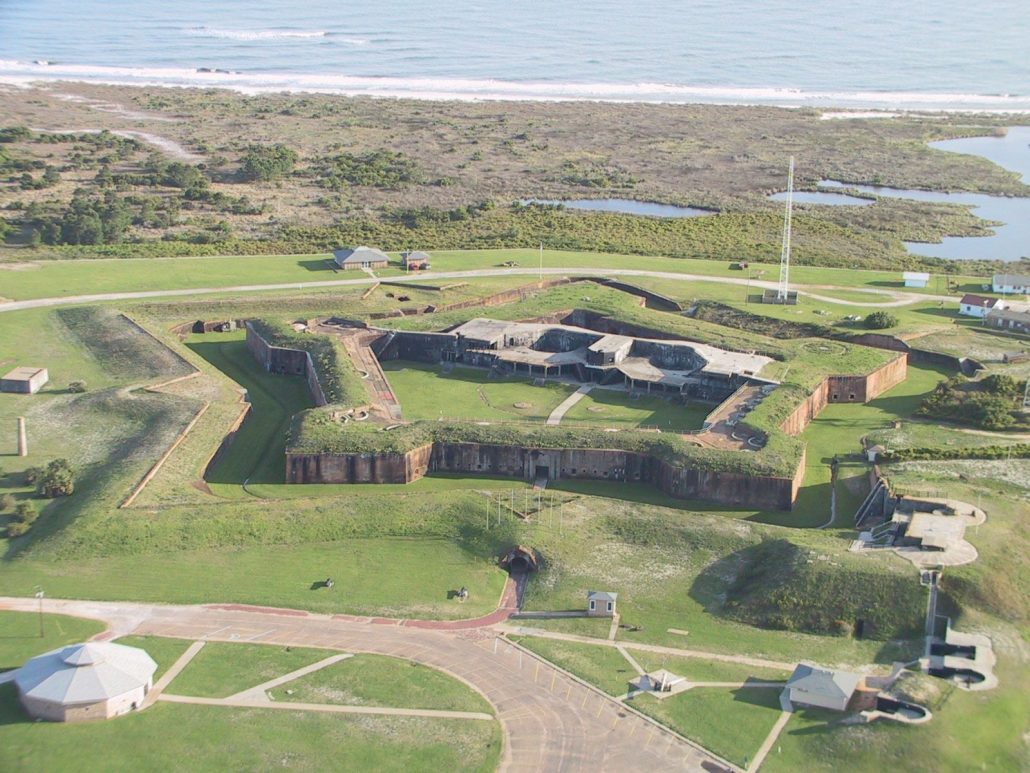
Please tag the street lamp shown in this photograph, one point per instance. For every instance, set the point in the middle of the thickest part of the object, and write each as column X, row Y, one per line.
column 39, row 595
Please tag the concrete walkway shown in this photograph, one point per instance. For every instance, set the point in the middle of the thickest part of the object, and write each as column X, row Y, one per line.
column 181, row 662
column 559, row 413
column 770, row 739
column 898, row 298
column 259, row 692
column 251, row 703
column 743, row 659
column 549, row 720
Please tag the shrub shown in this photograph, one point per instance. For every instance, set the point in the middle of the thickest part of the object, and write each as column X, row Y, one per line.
column 267, row 162
column 77, row 387
column 25, row 513
column 880, row 320
column 6, row 503
column 57, row 481
column 32, row 475
column 16, row 529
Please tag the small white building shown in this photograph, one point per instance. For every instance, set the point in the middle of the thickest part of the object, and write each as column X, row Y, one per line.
column 81, row 682
column 916, row 278
column 601, row 603
column 973, row 305
column 822, row 688
column 1011, row 284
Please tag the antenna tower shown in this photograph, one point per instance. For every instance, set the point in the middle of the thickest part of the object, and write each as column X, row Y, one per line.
column 781, row 293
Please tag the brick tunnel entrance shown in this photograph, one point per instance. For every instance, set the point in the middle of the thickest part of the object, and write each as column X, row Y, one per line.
column 520, row 560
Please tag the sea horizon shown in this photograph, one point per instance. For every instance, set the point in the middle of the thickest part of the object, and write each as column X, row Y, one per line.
column 758, row 52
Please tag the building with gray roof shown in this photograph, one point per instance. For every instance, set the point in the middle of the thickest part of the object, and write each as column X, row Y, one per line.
column 360, row 257
column 81, row 682
column 822, row 687
column 1018, row 284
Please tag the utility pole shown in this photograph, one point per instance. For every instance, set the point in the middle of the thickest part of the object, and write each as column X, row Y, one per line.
column 541, row 261
column 782, row 293
column 39, row 595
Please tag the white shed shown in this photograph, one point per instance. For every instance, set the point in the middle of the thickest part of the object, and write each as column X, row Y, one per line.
column 916, row 278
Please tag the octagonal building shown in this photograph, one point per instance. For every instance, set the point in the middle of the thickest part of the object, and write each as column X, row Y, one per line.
column 81, row 682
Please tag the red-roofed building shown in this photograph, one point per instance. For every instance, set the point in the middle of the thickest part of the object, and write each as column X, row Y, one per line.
column 973, row 305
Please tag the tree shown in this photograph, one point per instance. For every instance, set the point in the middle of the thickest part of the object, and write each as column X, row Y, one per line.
column 267, row 162
column 880, row 320
column 32, row 475
column 58, row 480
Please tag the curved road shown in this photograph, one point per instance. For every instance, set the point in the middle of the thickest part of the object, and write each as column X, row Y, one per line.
column 550, row 721
column 897, row 298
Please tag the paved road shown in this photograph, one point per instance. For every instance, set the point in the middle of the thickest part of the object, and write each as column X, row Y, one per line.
column 550, row 721
column 897, row 298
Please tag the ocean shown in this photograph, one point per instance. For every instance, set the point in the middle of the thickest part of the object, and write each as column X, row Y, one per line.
column 880, row 54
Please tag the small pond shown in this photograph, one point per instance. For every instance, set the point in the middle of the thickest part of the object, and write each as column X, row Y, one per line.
column 625, row 206
column 1011, row 241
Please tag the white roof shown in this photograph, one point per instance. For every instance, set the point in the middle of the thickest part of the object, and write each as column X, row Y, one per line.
column 601, row 595
column 85, row 673
column 916, row 275
column 812, row 680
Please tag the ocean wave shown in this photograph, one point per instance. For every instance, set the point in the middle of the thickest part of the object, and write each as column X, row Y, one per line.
column 488, row 89
column 258, row 34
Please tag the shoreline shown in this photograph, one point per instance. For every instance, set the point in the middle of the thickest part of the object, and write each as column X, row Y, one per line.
column 837, row 103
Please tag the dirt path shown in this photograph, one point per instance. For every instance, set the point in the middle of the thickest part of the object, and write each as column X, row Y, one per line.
column 254, row 703
column 550, row 721
column 170, row 148
column 897, row 298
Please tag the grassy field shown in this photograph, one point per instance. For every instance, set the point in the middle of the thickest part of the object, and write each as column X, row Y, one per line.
column 377, row 680
column 213, row 738
column 258, row 451
column 616, row 408
column 20, row 638
column 164, row 651
column 425, row 392
column 602, row 666
column 731, row 722
column 222, row 669
column 389, row 577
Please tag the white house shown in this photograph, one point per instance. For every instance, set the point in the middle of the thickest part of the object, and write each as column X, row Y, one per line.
column 1011, row 284
column 973, row 305
column 916, row 278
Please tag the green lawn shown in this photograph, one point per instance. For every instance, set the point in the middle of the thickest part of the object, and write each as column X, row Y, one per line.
column 170, row 736
column 390, row 577
column 70, row 277
column 731, row 722
column 222, row 669
column 704, row 670
column 257, row 453
column 616, row 408
column 426, row 392
column 601, row 665
column 20, row 635
column 377, row 680
column 164, row 651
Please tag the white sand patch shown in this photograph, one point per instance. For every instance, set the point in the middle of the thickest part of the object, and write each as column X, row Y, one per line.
column 16, row 266
column 170, row 147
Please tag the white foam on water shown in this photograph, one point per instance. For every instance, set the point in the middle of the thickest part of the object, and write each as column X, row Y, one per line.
column 489, row 89
column 254, row 34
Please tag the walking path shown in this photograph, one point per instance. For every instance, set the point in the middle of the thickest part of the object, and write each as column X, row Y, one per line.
column 256, row 703
column 743, row 659
column 559, row 413
column 550, row 721
column 259, row 692
column 770, row 739
column 897, row 298
column 177, row 667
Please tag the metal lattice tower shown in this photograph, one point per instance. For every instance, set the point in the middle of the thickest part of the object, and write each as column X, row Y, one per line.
column 782, row 292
